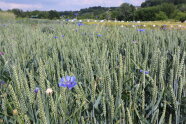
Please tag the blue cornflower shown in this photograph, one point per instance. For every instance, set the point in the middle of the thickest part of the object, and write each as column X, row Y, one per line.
column 67, row 20
column 55, row 37
column 2, row 82
column 80, row 24
column 99, row 35
column 36, row 89
column 62, row 35
column 146, row 72
column 164, row 27
column 76, row 14
column 68, row 81
column 141, row 30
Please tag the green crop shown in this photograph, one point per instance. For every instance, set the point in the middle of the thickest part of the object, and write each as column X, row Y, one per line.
column 123, row 76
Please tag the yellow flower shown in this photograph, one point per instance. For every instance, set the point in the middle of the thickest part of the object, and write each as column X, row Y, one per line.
column 49, row 91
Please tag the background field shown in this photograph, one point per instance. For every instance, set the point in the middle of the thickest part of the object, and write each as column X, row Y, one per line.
column 124, row 76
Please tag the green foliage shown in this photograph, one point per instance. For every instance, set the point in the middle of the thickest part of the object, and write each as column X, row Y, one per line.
column 126, row 12
column 52, row 14
column 182, row 7
column 18, row 12
column 161, row 16
column 148, row 3
column 147, row 14
column 168, row 9
column 181, row 16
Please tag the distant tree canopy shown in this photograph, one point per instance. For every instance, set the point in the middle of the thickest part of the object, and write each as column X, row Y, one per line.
column 52, row 14
column 148, row 3
column 126, row 12
column 150, row 10
column 18, row 12
column 167, row 10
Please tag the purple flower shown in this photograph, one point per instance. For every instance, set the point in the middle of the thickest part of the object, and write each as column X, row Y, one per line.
column 2, row 53
column 141, row 30
column 76, row 14
column 36, row 89
column 62, row 35
column 99, row 35
column 67, row 20
column 68, row 81
column 146, row 72
column 55, row 37
column 2, row 82
column 80, row 24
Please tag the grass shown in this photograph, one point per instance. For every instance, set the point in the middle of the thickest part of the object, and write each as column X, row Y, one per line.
column 111, row 88
column 6, row 17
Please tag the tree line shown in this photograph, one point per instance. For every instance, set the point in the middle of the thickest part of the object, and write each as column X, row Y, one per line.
column 150, row 10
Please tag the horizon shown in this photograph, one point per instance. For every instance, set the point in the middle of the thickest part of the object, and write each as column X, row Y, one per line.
column 65, row 5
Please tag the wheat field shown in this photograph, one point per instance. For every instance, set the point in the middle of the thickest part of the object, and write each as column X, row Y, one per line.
column 124, row 75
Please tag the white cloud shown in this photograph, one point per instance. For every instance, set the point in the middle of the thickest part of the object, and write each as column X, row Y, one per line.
column 7, row 5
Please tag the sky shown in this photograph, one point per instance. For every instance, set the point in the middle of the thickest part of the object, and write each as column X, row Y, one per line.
column 62, row 5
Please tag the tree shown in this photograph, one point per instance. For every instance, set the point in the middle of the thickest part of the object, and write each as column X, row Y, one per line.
column 18, row 12
column 168, row 8
column 161, row 16
column 147, row 14
column 182, row 7
column 181, row 16
column 114, row 14
column 126, row 12
column 53, row 14
column 148, row 3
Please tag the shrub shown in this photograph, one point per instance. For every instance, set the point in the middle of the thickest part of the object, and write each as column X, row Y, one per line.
column 181, row 16
column 161, row 16
column 147, row 14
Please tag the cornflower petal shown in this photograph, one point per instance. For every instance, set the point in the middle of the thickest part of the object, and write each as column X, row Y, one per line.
column 147, row 72
column 62, row 85
column 73, row 78
column 67, row 78
column 2, row 82
column 62, row 80
column 36, row 90
column 70, row 86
